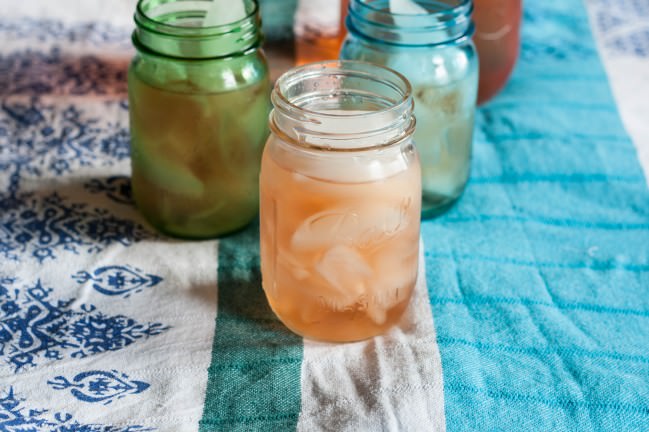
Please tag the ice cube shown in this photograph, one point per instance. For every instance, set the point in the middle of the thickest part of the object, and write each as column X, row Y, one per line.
column 387, row 294
column 443, row 137
column 382, row 302
column 169, row 174
column 382, row 222
column 395, row 279
column 223, row 12
column 207, row 213
column 325, row 229
column 449, row 169
column 377, row 313
column 445, row 100
column 346, row 273
column 406, row 7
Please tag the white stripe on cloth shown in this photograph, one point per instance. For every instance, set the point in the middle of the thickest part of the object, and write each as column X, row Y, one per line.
column 391, row 382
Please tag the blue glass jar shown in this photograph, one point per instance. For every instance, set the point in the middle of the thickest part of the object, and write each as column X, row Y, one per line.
column 433, row 49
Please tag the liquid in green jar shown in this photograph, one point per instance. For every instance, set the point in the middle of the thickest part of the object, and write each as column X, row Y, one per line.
column 196, row 155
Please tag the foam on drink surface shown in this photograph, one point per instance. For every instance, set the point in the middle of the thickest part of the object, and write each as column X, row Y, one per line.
column 348, row 166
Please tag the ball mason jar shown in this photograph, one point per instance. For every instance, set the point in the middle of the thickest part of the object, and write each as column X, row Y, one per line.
column 434, row 50
column 198, row 103
column 340, row 201
column 497, row 38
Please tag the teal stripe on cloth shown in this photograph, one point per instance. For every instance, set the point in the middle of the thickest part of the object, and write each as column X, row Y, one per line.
column 539, row 277
column 254, row 377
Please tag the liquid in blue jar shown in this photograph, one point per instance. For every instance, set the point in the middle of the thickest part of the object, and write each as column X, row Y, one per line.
column 429, row 41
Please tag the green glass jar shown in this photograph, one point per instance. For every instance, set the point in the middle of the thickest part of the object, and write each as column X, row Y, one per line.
column 198, row 103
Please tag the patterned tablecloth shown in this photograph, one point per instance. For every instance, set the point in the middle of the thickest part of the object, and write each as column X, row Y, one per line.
column 538, row 280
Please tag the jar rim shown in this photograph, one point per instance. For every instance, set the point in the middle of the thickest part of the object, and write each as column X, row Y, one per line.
column 141, row 17
column 373, row 19
column 320, row 66
column 400, row 111
column 194, row 42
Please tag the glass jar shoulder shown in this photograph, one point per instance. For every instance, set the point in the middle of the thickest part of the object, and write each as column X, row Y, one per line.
column 200, row 76
column 431, row 65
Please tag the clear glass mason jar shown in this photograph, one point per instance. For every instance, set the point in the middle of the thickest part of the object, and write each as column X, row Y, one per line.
column 434, row 50
column 340, row 200
column 198, row 103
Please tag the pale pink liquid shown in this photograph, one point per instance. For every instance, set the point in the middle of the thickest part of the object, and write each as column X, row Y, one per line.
column 339, row 246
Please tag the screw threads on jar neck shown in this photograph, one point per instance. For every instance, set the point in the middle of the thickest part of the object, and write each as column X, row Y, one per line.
column 175, row 29
column 342, row 106
column 447, row 21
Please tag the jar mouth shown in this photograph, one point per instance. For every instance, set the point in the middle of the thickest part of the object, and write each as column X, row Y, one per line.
column 175, row 28
column 342, row 106
column 440, row 22
column 185, row 15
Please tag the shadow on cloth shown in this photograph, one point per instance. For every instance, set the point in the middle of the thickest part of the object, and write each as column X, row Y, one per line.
column 241, row 297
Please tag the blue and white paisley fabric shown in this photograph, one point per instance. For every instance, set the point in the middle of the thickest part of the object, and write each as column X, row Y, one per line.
column 16, row 415
column 104, row 325
column 623, row 25
column 99, row 386
column 621, row 28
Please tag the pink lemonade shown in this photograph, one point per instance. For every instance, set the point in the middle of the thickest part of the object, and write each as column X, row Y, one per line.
column 339, row 238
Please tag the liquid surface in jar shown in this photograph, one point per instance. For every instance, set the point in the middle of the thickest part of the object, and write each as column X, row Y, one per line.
column 195, row 155
column 339, row 247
